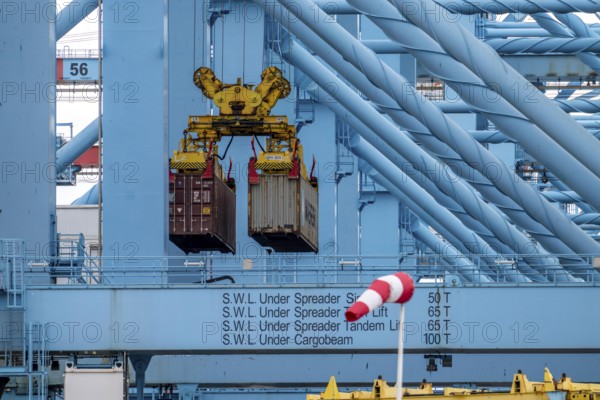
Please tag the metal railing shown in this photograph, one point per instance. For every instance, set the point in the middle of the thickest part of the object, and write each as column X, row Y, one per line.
column 25, row 357
column 309, row 270
column 67, row 52
column 12, row 258
column 73, row 261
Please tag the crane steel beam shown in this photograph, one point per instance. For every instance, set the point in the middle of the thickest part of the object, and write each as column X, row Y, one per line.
column 89, row 197
column 588, row 218
column 494, row 136
column 428, row 185
column 444, row 128
column 388, row 151
column 577, row 26
column 552, row 26
column 579, row 105
column 513, row 6
column 466, row 198
column 576, row 105
column 76, row 146
column 580, row 30
column 493, row 33
column 510, row 25
column 590, row 227
column 384, row 46
column 72, row 14
column 390, row 172
column 454, row 258
column 491, row 136
column 333, row 58
column 503, row 79
column 588, row 121
column 351, row 101
column 559, row 185
column 540, row 45
column 562, row 196
column 556, row 28
column 299, row 57
column 510, row 46
column 526, row 25
column 473, row 91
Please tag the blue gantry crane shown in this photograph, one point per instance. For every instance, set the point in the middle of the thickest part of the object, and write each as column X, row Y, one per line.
column 456, row 141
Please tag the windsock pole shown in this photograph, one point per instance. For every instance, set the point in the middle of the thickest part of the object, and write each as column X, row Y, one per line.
column 400, row 354
column 395, row 288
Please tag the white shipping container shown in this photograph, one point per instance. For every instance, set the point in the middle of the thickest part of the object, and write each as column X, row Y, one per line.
column 283, row 213
column 94, row 383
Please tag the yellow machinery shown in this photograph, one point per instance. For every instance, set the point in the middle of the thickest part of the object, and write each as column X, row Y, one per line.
column 202, row 208
column 521, row 389
column 244, row 111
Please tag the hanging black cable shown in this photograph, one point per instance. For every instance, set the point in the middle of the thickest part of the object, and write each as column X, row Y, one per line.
column 226, row 149
column 259, row 145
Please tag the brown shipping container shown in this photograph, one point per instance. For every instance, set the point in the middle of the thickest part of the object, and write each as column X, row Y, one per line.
column 283, row 213
column 201, row 214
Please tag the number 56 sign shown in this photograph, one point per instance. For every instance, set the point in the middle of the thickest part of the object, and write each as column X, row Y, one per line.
column 76, row 69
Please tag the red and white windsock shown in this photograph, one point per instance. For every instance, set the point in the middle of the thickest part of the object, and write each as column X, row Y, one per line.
column 396, row 288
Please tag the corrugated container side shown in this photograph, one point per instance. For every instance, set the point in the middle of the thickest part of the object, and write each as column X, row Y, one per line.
column 309, row 212
column 224, row 213
column 283, row 213
column 202, row 214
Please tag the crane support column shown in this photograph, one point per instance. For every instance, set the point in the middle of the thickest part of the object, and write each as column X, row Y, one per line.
column 134, row 187
column 140, row 364
column 28, row 126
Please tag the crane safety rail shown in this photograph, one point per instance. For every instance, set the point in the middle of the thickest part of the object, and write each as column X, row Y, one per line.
column 296, row 269
column 67, row 52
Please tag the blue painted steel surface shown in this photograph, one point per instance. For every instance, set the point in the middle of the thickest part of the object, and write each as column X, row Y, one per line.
column 77, row 146
column 444, row 129
column 135, row 141
column 453, row 257
column 556, row 28
column 359, row 369
column 457, row 189
column 292, row 306
column 505, row 6
column 352, row 102
column 544, row 45
column 310, row 319
column 89, row 197
column 499, row 76
column 414, row 207
column 391, row 155
column 473, row 91
column 574, row 105
column 71, row 14
column 27, row 125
